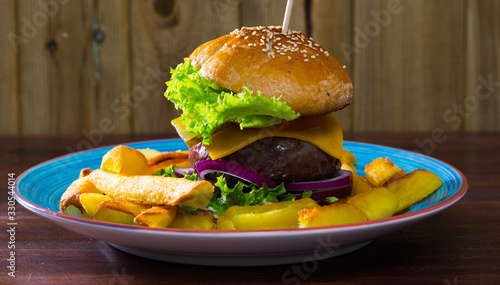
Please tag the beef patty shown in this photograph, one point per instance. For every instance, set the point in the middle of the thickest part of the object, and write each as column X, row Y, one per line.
column 280, row 159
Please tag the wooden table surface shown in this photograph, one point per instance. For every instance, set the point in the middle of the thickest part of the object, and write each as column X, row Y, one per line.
column 460, row 245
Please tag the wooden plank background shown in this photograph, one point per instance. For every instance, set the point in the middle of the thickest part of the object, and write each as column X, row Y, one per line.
column 98, row 67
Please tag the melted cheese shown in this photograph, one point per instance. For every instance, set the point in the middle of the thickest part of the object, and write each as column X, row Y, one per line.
column 327, row 137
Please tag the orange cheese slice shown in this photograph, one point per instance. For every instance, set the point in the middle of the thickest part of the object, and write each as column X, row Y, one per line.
column 327, row 136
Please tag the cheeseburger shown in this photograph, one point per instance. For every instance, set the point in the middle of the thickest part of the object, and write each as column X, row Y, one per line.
column 257, row 106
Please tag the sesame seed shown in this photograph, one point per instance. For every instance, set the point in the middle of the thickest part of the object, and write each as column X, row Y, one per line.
column 312, row 56
column 249, row 45
column 306, row 60
column 305, row 55
column 234, row 46
column 289, row 58
column 264, row 49
column 282, row 53
column 245, row 38
column 344, row 67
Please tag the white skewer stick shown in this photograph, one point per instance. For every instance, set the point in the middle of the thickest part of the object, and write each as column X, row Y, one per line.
column 286, row 20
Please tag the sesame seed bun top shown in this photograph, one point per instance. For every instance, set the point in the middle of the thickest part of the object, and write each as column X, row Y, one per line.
column 291, row 66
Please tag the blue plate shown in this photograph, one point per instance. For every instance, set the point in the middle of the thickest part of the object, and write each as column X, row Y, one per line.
column 39, row 189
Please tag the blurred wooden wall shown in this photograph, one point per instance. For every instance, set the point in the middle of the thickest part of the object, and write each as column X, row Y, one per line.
column 74, row 66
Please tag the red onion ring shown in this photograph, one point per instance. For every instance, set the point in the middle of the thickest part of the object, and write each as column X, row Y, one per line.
column 338, row 186
column 180, row 171
column 210, row 166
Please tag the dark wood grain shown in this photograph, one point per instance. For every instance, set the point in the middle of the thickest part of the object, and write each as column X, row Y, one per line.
column 458, row 246
column 415, row 65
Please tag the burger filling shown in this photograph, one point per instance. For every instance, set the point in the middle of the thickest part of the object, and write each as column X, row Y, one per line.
column 280, row 159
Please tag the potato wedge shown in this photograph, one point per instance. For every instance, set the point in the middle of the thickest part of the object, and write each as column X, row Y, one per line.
column 84, row 172
column 380, row 170
column 72, row 195
column 148, row 152
column 181, row 163
column 337, row 213
column 163, row 160
column 346, row 165
column 125, row 160
column 225, row 224
column 360, row 185
column 150, row 189
column 414, row 187
column 193, row 222
column 90, row 202
column 377, row 203
column 282, row 215
column 113, row 216
column 158, row 216
column 124, row 206
column 348, row 156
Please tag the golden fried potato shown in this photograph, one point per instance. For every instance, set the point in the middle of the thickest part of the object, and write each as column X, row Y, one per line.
column 125, row 206
column 125, row 160
column 90, row 202
column 113, row 216
column 346, row 165
column 377, row 203
column 84, row 172
column 158, row 216
column 360, row 185
column 163, row 160
column 414, row 187
column 150, row 189
column 193, row 222
column 380, row 170
column 148, row 152
column 225, row 224
column 348, row 156
column 72, row 195
column 337, row 213
column 282, row 215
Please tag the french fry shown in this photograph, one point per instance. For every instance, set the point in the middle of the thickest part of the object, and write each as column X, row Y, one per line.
column 282, row 215
column 90, row 202
column 225, row 224
column 377, row 203
column 84, row 172
column 380, row 170
column 72, row 195
column 346, row 165
column 125, row 160
column 337, row 213
column 124, row 206
column 348, row 156
column 414, row 187
column 163, row 160
column 193, row 222
column 150, row 189
column 360, row 185
column 148, row 152
column 157, row 217
column 168, row 156
column 113, row 216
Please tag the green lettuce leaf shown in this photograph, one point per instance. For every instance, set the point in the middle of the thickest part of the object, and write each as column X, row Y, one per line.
column 243, row 194
column 207, row 105
column 169, row 172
